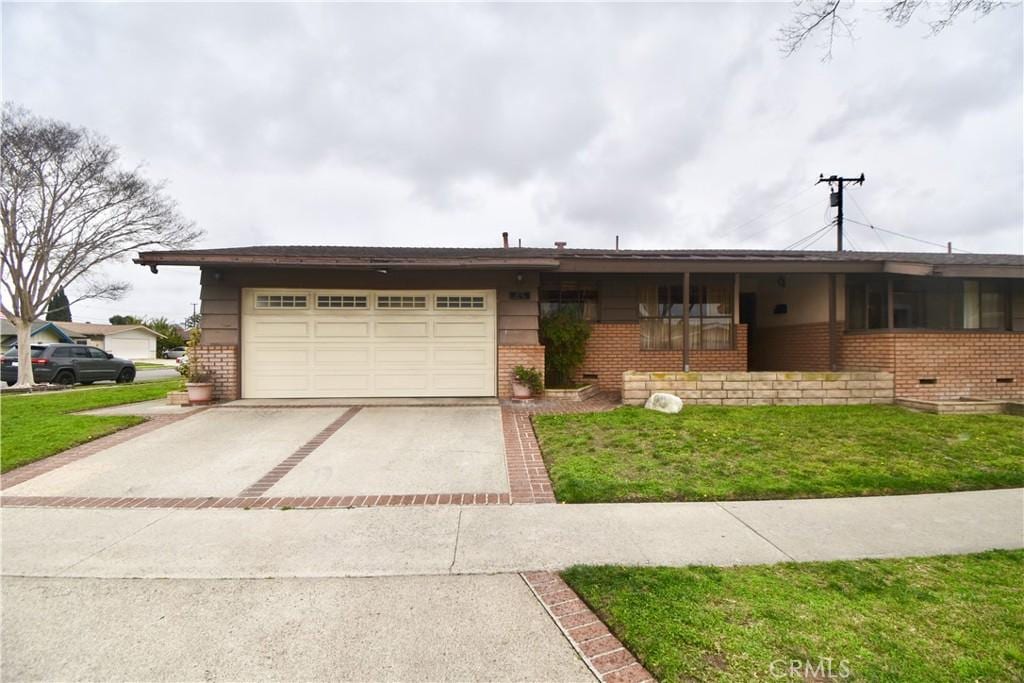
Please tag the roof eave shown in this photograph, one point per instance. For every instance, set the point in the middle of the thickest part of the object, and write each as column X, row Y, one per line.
column 171, row 259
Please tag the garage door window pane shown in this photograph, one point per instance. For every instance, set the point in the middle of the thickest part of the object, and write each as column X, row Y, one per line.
column 340, row 301
column 449, row 302
column 396, row 301
column 280, row 301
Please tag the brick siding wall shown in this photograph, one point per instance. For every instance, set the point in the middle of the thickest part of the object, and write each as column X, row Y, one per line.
column 791, row 347
column 223, row 364
column 867, row 352
column 511, row 356
column 614, row 348
column 963, row 364
column 761, row 388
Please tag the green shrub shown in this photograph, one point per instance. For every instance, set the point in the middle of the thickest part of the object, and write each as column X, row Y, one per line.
column 530, row 377
column 564, row 335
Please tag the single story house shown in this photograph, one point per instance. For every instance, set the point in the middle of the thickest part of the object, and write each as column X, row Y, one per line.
column 134, row 342
column 317, row 321
column 43, row 332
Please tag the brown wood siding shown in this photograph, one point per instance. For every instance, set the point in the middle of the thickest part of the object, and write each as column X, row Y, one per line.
column 517, row 319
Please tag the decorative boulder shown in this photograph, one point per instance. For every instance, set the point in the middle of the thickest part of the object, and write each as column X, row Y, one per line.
column 664, row 403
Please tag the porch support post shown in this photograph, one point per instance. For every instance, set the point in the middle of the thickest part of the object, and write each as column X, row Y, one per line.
column 686, row 322
column 889, row 312
column 735, row 307
column 833, row 336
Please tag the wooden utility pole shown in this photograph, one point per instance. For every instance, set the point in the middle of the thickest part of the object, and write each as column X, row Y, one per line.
column 837, row 200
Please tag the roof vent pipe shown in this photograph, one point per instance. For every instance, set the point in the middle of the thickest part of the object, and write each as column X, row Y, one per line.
column 560, row 245
column 616, row 243
column 504, row 240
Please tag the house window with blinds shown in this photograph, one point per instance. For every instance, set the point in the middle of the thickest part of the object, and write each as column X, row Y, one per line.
column 711, row 315
column 661, row 317
column 711, row 312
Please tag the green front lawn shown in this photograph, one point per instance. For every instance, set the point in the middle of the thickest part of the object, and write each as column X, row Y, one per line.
column 724, row 453
column 954, row 618
column 36, row 426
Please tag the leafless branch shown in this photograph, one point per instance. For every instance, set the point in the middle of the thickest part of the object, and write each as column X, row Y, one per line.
column 66, row 208
column 830, row 18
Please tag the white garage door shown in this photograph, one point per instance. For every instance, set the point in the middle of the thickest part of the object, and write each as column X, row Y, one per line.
column 348, row 343
column 134, row 349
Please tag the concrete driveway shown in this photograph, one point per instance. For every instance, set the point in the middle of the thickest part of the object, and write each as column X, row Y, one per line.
column 295, row 451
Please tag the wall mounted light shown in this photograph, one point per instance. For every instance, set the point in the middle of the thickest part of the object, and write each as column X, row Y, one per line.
column 382, row 271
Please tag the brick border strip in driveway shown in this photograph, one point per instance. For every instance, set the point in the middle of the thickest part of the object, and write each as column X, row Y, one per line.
column 257, row 502
column 528, row 479
column 606, row 656
column 48, row 464
column 288, row 464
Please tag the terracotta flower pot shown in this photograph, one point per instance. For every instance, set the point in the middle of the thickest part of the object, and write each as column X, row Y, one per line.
column 520, row 390
column 199, row 392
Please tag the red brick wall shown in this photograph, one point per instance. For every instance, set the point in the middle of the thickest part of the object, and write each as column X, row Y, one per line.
column 511, row 356
column 791, row 347
column 963, row 364
column 222, row 363
column 867, row 352
column 614, row 348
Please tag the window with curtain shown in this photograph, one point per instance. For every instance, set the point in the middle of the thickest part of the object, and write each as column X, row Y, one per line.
column 984, row 305
column 711, row 315
column 661, row 317
column 711, row 312
column 927, row 303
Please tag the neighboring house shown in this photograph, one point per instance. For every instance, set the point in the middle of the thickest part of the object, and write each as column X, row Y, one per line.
column 134, row 342
column 368, row 321
column 43, row 332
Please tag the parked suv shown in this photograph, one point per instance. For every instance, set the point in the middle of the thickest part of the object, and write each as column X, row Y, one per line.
column 176, row 352
column 68, row 364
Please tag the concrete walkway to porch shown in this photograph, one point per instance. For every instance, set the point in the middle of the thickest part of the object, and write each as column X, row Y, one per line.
column 437, row 540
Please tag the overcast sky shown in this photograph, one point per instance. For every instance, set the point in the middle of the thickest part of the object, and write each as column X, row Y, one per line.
column 673, row 126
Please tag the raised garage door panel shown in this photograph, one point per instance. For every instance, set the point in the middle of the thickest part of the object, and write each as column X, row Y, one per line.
column 340, row 343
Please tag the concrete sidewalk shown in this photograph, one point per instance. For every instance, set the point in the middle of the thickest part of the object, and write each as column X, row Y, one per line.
column 439, row 628
column 239, row 543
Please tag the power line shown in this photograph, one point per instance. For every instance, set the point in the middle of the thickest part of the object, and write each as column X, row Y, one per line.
column 877, row 234
column 817, row 233
column 765, row 213
column 807, row 208
column 812, row 242
column 908, row 237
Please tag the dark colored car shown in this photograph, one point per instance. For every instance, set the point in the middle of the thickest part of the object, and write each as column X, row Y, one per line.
column 176, row 352
column 68, row 364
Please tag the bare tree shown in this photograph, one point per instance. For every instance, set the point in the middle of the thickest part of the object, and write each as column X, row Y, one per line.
column 831, row 19
column 67, row 207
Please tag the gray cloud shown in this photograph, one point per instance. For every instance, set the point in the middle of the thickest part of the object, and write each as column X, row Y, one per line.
column 670, row 125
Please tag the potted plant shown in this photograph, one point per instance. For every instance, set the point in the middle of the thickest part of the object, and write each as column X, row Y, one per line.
column 526, row 382
column 197, row 380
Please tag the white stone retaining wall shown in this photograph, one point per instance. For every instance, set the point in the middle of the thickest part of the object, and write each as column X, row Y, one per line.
column 761, row 388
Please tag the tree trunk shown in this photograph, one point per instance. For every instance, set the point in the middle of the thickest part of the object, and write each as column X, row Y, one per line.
column 24, row 352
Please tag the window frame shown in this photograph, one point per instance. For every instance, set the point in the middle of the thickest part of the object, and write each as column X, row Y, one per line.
column 473, row 296
column 387, row 294
column 576, row 298
column 269, row 294
column 665, row 313
column 342, row 294
column 701, row 282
